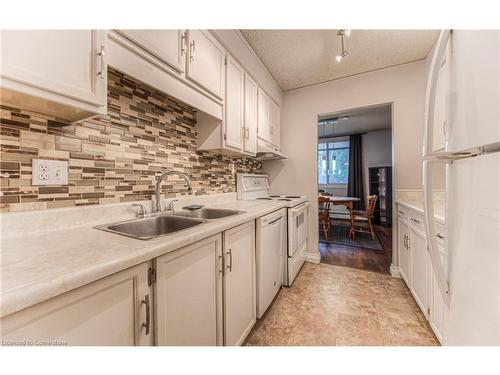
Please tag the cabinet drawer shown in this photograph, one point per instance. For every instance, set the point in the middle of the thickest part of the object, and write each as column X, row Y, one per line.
column 440, row 232
column 416, row 220
column 402, row 212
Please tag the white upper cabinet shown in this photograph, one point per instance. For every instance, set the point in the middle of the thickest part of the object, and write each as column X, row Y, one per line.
column 167, row 45
column 64, row 67
column 274, row 124
column 239, row 283
column 189, row 295
column 234, row 104
column 250, row 131
column 263, row 116
column 206, row 62
column 116, row 310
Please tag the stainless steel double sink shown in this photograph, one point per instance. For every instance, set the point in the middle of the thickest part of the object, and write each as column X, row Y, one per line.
column 166, row 223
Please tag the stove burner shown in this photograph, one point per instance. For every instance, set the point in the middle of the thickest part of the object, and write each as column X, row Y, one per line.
column 284, row 199
column 275, row 196
column 266, row 199
column 292, row 196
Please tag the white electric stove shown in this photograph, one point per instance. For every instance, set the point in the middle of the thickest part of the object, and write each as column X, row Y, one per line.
column 256, row 187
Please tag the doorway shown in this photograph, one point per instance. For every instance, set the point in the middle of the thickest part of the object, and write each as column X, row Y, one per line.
column 355, row 188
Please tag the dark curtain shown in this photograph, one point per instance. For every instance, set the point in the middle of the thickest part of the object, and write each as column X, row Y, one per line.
column 355, row 181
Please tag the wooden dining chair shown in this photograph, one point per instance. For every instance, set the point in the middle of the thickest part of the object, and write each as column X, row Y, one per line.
column 364, row 215
column 324, row 215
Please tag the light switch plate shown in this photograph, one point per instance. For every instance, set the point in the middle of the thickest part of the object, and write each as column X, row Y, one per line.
column 49, row 172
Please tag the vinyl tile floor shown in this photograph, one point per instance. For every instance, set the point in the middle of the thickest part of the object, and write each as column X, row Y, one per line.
column 334, row 305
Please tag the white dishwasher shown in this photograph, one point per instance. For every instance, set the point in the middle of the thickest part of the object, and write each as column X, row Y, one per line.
column 270, row 257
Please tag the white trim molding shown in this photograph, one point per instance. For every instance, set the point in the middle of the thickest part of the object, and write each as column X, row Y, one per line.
column 395, row 271
column 313, row 258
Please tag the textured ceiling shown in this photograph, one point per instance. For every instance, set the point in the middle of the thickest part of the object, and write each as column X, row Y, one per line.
column 359, row 121
column 298, row 58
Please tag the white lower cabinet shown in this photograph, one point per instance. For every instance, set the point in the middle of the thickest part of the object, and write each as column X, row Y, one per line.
column 404, row 251
column 415, row 267
column 188, row 298
column 239, row 283
column 116, row 310
column 205, row 292
column 419, row 269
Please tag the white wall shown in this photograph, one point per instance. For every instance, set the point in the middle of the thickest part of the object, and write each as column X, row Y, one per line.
column 377, row 152
column 403, row 86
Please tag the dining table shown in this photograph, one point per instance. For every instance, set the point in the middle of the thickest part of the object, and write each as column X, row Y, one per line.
column 348, row 202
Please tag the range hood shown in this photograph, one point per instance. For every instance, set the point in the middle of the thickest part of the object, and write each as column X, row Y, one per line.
column 265, row 151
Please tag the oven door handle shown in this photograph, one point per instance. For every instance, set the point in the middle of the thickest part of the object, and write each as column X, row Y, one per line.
column 300, row 208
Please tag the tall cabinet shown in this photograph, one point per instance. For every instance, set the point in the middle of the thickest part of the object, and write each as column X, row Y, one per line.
column 380, row 184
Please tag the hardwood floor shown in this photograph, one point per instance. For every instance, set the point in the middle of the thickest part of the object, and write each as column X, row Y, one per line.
column 368, row 259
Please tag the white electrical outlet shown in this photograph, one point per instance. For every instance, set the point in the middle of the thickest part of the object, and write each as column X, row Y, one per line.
column 49, row 172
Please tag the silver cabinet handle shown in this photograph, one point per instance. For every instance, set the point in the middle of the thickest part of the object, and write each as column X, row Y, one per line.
column 192, row 51
column 183, row 43
column 247, row 133
column 147, row 325
column 102, row 67
column 439, row 235
column 401, row 212
column 230, row 265
column 415, row 220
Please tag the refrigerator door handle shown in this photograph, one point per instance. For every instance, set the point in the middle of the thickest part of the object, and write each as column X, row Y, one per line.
column 430, row 229
column 430, row 96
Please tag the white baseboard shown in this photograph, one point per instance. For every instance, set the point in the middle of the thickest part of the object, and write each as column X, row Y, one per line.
column 395, row 271
column 313, row 258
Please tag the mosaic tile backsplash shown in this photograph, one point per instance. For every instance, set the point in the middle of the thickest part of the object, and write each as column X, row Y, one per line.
column 113, row 158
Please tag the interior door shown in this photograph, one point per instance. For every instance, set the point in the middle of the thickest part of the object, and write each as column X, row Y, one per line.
column 263, row 115
column 251, row 90
column 206, row 62
column 167, row 45
column 404, row 252
column 188, row 295
column 419, row 269
column 475, row 89
column 111, row 311
column 66, row 62
column 235, row 92
column 239, row 283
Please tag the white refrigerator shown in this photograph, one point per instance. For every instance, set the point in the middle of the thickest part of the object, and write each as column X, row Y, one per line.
column 462, row 135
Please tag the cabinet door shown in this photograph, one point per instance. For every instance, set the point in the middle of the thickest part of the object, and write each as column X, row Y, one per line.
column 110, row 311
column 234, row 105
column 436, row 303
column 263, row 116
column 188, row 298
column 206, row 62
column 64, row 62
column 274, row 124
column 419, row 269
column 251, row 88
column 404, row 251
column 167, row 45
column 239, row 283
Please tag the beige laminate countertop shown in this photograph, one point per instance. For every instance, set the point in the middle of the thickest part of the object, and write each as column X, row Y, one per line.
column 417, row 205
column 37, row 267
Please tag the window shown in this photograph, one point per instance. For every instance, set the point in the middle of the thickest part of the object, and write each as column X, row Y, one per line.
column 333, row 162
